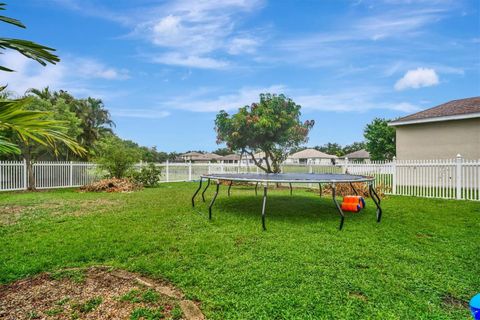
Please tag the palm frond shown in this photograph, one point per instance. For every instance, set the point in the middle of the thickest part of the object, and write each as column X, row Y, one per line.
column 13, row 21
column 35, row 126
column 29, row 49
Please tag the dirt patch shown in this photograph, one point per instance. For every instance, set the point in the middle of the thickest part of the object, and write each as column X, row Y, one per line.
column 10, row 214
column 454, row 302
column 94, row 293
column 358, row 295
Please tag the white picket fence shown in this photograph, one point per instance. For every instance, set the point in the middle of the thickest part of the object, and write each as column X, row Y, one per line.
column 450, row 179
column 48, row 174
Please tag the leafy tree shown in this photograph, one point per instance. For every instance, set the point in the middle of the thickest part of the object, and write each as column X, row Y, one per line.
column 116, row 156
column 273, row 126
column 356, row 146
column 380, row 139
column 331, row 148
column 29, row 49
column 222, row 151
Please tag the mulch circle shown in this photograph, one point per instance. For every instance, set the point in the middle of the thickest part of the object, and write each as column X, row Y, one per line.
column 94, row 293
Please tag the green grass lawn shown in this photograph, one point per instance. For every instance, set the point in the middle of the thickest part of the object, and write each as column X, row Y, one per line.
column 420, row 262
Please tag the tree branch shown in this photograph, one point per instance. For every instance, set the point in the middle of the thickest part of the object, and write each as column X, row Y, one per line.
column 255, row 160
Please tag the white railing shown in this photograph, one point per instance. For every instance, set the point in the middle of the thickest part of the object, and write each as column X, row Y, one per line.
column 450, row 179
column 13, row 175
column 63, row 174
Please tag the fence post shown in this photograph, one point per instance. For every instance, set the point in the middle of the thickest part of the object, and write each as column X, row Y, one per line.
column 25, row 175
column 394, row 175
column 310, row 168
column 345, row 166
column 167, row 171
column 71, row 174
column 458, row 178
column 190, row 171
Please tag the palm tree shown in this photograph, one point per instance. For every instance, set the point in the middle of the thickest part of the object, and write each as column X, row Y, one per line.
column 32, row 125
column 95, row 120
column 29, row 127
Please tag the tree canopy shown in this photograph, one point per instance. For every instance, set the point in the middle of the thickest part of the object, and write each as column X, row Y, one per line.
column 272, row 126
column 380, row 140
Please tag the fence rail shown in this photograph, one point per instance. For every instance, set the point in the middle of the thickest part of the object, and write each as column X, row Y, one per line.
column 449, row 179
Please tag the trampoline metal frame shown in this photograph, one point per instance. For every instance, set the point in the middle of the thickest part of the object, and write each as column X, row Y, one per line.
column 232, row 178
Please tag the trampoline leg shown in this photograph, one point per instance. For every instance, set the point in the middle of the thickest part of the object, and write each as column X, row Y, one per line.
column 377, row 200
column 204, row 190
column 320, row 189
column 256, row 188
column 196, row 192
column 353, row 188
column 230, row 187
column 291, row 189
column 342, row 215
column 213, row 201
column 263, row 207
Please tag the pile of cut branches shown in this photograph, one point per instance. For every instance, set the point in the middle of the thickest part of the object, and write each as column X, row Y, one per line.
column 344, row 189
column 112, row 185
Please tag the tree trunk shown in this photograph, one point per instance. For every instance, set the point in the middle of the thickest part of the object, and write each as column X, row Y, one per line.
column 30, row 173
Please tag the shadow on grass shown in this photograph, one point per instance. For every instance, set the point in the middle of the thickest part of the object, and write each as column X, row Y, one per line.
column 297, row 209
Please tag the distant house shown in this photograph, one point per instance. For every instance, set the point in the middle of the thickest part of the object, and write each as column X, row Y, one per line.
column 360, row 155
column 198, row 157
column 230, row 158
column 310, row 156
column 440, row 132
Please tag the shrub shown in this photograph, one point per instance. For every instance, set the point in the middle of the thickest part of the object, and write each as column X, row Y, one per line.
column 148, row 176
column 116, row 157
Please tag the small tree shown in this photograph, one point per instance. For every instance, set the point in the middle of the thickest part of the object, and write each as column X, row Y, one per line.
column 273, row 126
column 116, row 157
column 332, row 148
column 380, row 140
column 356, row 146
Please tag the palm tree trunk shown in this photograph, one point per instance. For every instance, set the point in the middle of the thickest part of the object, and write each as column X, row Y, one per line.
column 30, row 174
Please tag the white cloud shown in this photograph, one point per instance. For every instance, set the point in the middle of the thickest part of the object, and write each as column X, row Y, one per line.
column 91, row 68
column 72, row 74
column 242, row 45
column 359, row 99
column 178, row 59
column 420, row 77
column 190, row 32
column 199, row 103
column 28, row 73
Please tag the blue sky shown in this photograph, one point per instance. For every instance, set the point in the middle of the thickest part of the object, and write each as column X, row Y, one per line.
column 165, row 68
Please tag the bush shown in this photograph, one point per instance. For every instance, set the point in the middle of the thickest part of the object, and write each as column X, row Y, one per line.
column 116, row 157
column 148, row 176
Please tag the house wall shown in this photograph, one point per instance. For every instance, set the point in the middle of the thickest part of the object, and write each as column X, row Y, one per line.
column 439, row 140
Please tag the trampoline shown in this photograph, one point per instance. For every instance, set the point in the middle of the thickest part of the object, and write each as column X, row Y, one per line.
column 332, row 179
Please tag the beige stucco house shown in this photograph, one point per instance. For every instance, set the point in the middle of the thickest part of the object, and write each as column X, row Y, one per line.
column 360, row 155
column 310, row 156
column 440, row 132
